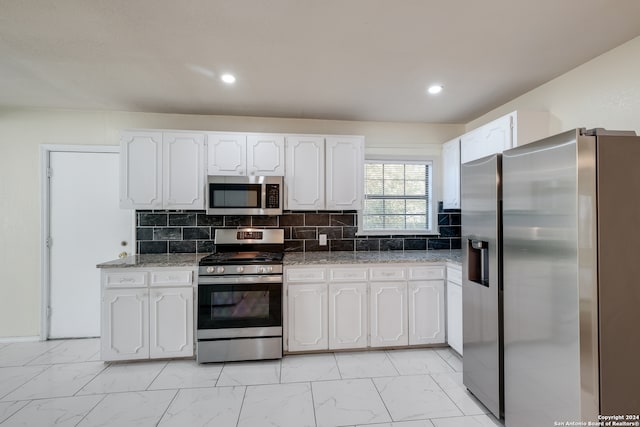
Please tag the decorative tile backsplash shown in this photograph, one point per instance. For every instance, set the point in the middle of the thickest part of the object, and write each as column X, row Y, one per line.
column 193, row 231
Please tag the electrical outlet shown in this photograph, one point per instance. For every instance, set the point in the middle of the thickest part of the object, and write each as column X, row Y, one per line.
column 323, row 239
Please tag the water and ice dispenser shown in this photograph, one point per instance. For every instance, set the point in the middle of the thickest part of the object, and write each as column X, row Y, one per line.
column 478, row 261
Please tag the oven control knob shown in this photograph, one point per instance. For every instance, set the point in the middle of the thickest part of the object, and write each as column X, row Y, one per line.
column 261, row 269
column 210, row 269
column 220, row 270
column 269, row 269
column 240, row 269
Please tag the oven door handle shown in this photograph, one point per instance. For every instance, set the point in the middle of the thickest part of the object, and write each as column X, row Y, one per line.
column 232, row 280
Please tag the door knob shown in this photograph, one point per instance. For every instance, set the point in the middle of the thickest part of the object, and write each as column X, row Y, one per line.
column 122, row 255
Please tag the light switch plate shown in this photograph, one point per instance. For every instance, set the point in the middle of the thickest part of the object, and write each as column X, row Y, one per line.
column 323, row 239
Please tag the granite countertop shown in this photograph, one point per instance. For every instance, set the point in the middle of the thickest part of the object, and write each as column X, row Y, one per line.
column 295, row 258
column 159, row 260
column 349, row 257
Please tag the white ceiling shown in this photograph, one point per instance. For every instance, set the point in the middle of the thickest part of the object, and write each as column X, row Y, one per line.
column 327, row 59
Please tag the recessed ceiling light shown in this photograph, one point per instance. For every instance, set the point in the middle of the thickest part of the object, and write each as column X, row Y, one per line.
column 228, row 78
column 435, row 89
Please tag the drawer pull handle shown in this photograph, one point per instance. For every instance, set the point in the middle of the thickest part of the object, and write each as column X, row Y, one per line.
column 127, row 280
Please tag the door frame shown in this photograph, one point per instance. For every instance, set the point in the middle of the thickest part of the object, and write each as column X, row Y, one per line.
column 45, row 221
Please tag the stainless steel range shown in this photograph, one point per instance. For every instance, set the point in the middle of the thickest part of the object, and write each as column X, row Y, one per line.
column 240, row 297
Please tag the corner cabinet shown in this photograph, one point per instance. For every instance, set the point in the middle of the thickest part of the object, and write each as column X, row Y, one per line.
column 375, row 306
column 454, row 307
column 242, row 154
column 147, row 313
column 162, row 170
column 451, row 174
column 324, row 172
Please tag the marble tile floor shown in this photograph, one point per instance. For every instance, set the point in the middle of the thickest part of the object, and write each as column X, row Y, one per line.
column 63, row 383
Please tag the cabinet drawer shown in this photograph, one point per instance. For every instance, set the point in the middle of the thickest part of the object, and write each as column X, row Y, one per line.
column 454, row 275
column 173, row 278
column 426, row 273
column 388, row 273
column 306, row 275
column 134, row 279
column 348, row 274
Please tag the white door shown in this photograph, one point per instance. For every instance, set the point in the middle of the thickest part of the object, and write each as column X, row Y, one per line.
column 86, row 227
column 389, row 314
column 348, row 324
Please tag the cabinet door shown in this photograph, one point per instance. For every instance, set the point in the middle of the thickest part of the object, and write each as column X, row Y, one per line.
column 265, row 155
column 183, row 171
column 304, row 179
column 307, row 317
column 492, row 138
column 141, row 170
column 388, row 314
column 226, row 154
column 344, row 169
column 125, row 324
column 454, row 316
column 348, row 324
column 426, row 312
column 451, row 174
column 171, row 322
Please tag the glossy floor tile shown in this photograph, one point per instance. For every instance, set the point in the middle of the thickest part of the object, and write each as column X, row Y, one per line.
column 64, row 383
column 205, row 407
column 365, row 365
column 348, row 402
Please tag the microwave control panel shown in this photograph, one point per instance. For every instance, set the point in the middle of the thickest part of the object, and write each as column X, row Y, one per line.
column 273, row 196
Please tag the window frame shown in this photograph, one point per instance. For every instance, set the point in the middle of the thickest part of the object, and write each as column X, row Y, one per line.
column 435, row 182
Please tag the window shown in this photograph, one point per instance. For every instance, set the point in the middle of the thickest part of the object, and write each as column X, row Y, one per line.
column 397, row 197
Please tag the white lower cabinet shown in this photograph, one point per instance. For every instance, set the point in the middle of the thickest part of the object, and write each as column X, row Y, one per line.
column 125, row 324
column 454, row 308
column 147, row 313
column 389, row 316
column 307, row 317
column 348, row 326
column 171, row 322
column 426, row 312
column 340, row 307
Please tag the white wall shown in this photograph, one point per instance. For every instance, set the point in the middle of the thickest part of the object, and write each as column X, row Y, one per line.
column 22, row 132
column 604, row 92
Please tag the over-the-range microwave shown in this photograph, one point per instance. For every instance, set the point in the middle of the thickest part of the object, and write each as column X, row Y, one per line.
column 244, row 195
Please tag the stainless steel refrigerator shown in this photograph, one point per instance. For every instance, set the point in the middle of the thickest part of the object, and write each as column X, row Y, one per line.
column 481, row 198
column 571, row 256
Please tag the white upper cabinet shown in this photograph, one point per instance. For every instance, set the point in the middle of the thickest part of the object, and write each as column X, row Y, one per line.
column 492, row 138
column 141, row 170
column 226, row 154
column 265, row 155
column 344, row 172
column 324, row 173
column 183, row 171
column 512, row 130
column 305, row 173
column 238, row 154
column 451, row 174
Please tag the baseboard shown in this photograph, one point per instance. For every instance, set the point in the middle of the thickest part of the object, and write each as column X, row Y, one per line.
column 5, row 340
